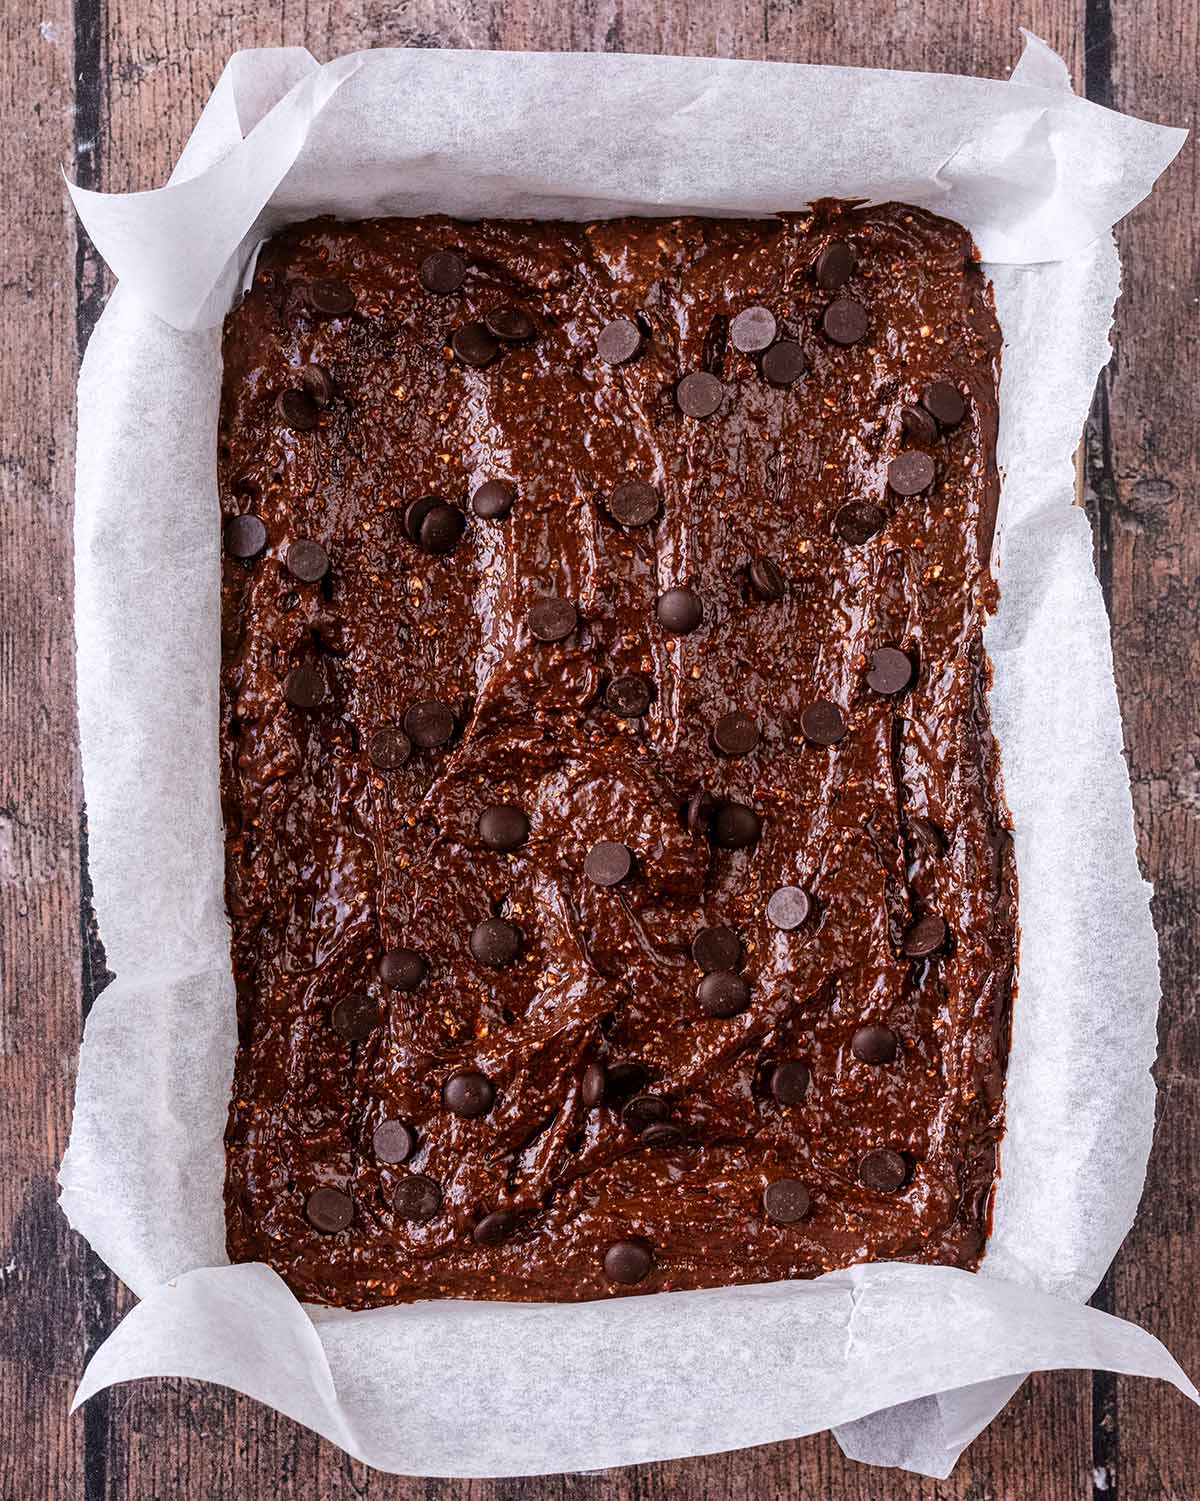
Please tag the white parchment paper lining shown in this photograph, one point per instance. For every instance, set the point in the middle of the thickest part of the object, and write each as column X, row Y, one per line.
column 440, row 1388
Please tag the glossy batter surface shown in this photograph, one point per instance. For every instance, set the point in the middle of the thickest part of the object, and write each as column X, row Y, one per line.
column 832, row 1091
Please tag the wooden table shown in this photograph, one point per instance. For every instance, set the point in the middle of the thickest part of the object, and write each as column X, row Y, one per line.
column 110, row 88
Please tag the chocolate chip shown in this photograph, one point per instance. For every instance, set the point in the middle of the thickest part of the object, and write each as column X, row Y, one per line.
column 245, row 536
column 891, row 671
column 786, row 1201
column 662, row 1134
column 474, row 345
column 441, row 528
column 874, row 1044
column 492, row 500
column 619, row 341
column 415, row 514
column 318, row 383
column 766, row 579
column 503, row 827
column 784, row 363
column 911, row 472
column 752, row 330
column 305, row 687
column 429, row 724
column 788, row 908
column 442, row 272
column 722, row 993
column 355, row 1017
column 822, row 723
column 307, row 561
column 629, row 695
column 884, row 1171
column 699, row 394
column 628, row 1261
column 591, row 1086
column 468, row 1094
column 789, row 1081
column 679, row 611
column 608, row 863
column 329, row 1210
column 623, row 1080
column 389, row 748
column 393, row 1141
column 919, row 425
column 330, row 298
column 735, row 826
column 298, row 410
column 945, row 402
column 858, row 521
column 834, row 266
column 511, row 324
column 643, row 1110
column 698, row 814
column 495, row 942
column 845, row 321
column 925, row 937
column 416, row 1198
column 716, row 948
column 495, row 1227
column 633, row 503
column 403, row 969
column 735, row 734
column 927, row 834
column 552, row 619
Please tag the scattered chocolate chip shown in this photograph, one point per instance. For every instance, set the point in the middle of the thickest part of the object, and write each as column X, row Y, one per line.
column 355, row 1017
column 789, row 1081
column 785, row 1201
column 492, row 500
column 495, row 942
column 429, row 724
column 945, row 402
column 845, row 321
column 495, row 1227
column 753, row 330
column 298, row 410
column 305, row 687
column 716, row 948
column 699, row 394
column 591, row 1086
column 441, row 528
column 474, row 345
column 329, row 1210
column 919, row 425
column 307, row 561
column 442, row 272
column 890, row 672
column 679, row 611
column 503, row 827
column 552, row 619
column 245, row 536
column 389, row 748
column 318, row 383
column 788, row 908
column 330, row 298
column 735, row 826
column 662, row 1134
column 628, row 1261
column 874, row 1044
column 629, row 696
column 911, row 473
column 621, row 1081
column 784, row 363
column 834, row 266
column 858, row 521
column 735, row 734
column 416, row 1198
column 415, row 514
column 468, row 1094
column 925, row 937
column 403, row 969
column 393, row 1141
column 927, row 834
column 822, row 723
column 766, row 579
column 511, row 324
column 608, row 863
column 633, row 503
column 619, row 341
column 643, row 1110
column 884, row 1171
column 723, row 993
column 698, row 813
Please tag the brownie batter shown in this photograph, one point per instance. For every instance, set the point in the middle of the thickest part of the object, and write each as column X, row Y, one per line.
column 621, row 889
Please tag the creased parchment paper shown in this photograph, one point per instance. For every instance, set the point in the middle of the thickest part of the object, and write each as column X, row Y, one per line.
column 908, row 1363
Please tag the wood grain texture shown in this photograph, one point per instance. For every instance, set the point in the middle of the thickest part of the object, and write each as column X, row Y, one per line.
column 143, row 70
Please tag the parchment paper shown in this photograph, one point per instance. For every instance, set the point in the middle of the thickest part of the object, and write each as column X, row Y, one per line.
column 930, row 1354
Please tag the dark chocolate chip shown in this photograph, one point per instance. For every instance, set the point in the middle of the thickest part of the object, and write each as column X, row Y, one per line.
column 441, row 528
column 766, row 579
column 884, row 1171
column 643, row 1109
column 925, row 937
column 474, row 345
column 629, row 696
column 511, row 324
column 307, row 561
column 945, row 402
column 591, row 1086
column 633, row 503
column 495, row 1227
column 298, row 410
column 753, row 330
column 628, row 1261
column 492, row 500
column 788, row 908
column 723, row 993
column 245, row 536
column 834, row 266
column 699, row 394
column 784, row 363
column 822, row 723
column 927, row 834
column 789, row 1081
column 305, row 687
column 442, row 272
column 662, row 1134
column 389, row 748
column 874, row 1044
column 845, row 321
column 330, row 298
column 919, row 425
column 785, row 1201
column 416, row 1198
column 679, row 611
column 429, row 724
column 891, row 671
column 393, row 1141
column 608, row 863
column 415, row 514
column 329, row 1210
column 355, row 1017
column 318, row 383
column 735, row 826
column 495, row 942
column 619, row 341
column 735, row 734
column 503, row 827
column 716, row 948
column 468, row 1094
column 403, row 969
column 621, row 1081
column 858, row 521
column 552, row 619
column 698, row 814
column 911, row 473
